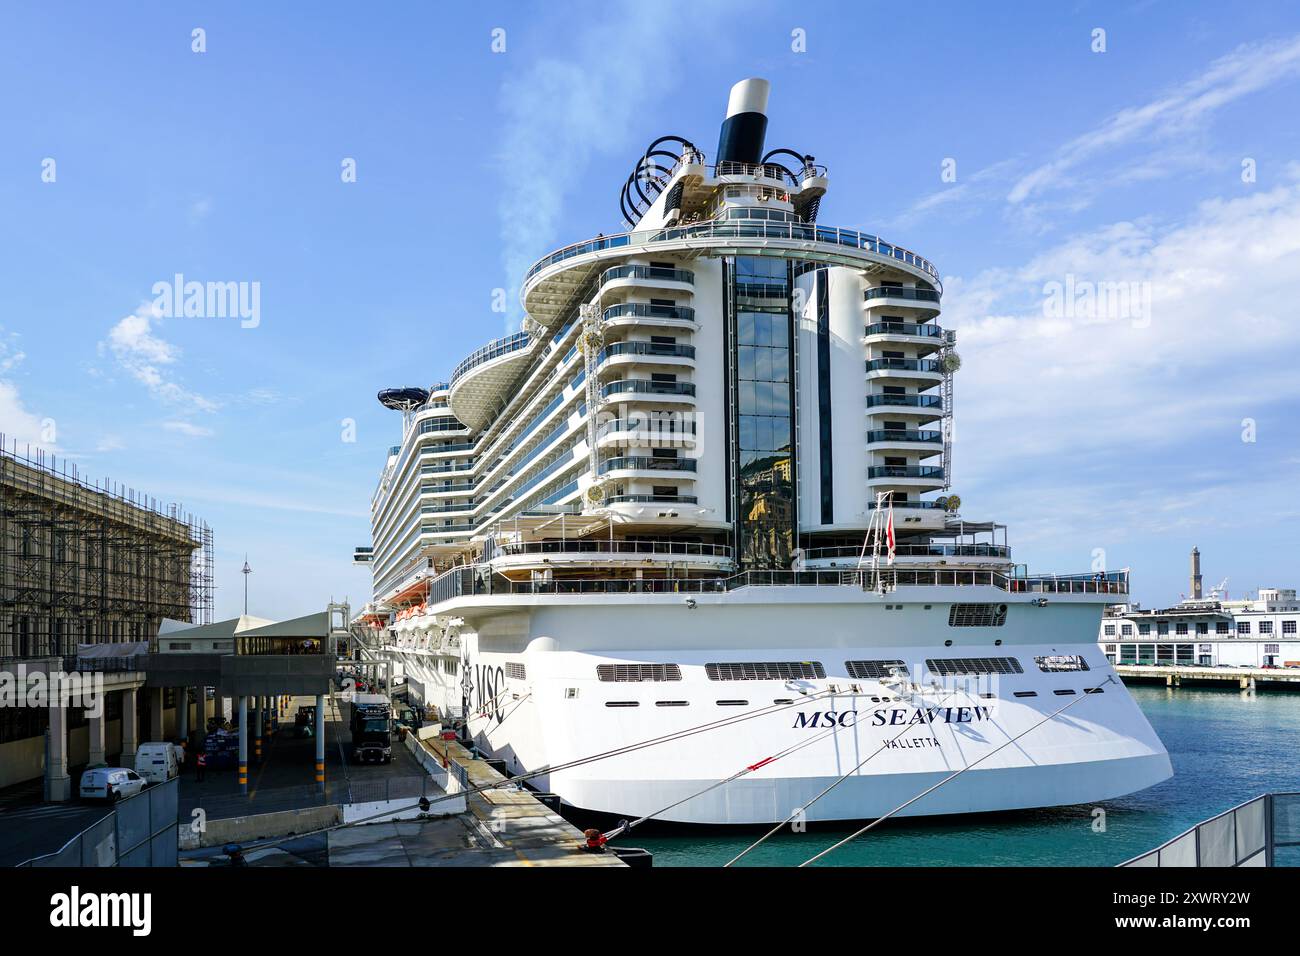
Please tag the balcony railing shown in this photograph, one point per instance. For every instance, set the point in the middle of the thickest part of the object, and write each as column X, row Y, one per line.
column 653, row 499
column 646, row 310
column 646, row 463
column 647, row 348
column 723, row 229
column 494, row 349
column 597, row 546
column 903, row 365
column 905, row 471
column 905, row 328
column 917, row 551
column 893, row 292
column 914, row 401
column 657, row 428
column 922, row 436
column 477, row 580
column 647, row 272
column 647, row 386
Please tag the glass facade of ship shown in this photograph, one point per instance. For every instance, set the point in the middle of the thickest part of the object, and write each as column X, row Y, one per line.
column 762, row 412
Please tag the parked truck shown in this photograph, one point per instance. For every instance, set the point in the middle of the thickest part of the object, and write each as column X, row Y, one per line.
column 371, row 723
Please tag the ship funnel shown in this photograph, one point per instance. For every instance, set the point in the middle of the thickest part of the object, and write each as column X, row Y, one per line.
column 743, row 131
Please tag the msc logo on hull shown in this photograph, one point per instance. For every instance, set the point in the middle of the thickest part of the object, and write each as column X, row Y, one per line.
column 890, row 717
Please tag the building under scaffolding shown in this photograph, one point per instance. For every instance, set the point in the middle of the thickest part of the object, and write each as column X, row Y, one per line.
column 91, row 563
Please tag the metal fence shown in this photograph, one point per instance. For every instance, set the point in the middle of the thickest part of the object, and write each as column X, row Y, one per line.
column 1264, row 831
column 138, row 831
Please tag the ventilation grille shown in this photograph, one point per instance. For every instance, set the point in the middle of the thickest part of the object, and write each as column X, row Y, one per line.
column 634, row 673
column 767, row 670
column 977, row 615
column 874, row 670
column 973, row 666
column 1058, row 663
column 516, row 671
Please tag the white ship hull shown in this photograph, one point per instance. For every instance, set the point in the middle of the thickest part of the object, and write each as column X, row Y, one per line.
column 1099, row 747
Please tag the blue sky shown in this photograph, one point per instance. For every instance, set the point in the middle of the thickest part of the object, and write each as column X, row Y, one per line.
column 1121, row 431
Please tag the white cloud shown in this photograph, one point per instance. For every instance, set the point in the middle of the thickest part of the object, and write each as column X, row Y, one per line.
column 17, row 423
column 187, row 428
column 150, row 359
column 560, row 113
column 1184, row 110
column 1102, row 404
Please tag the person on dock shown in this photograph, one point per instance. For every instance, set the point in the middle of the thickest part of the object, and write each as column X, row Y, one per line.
column 200, row 764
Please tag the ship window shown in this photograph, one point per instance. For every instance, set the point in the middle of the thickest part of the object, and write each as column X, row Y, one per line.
column 973, row 666
column 766, row 670
column 1094, row 690
column 783, row 700
column 873, row 670
column 977, row 615
column 1056, row 663
column 627, row 673
column 1063, row 692
column 515, row 671
column 733, row 703
column 622, row 703
column 1026, row 693
column 672, row 703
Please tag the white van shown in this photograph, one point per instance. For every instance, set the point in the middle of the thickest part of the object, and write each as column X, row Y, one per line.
column 110, row 783
column 157, row 762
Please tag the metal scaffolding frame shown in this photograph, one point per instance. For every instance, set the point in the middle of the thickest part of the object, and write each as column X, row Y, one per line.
column 91, row 563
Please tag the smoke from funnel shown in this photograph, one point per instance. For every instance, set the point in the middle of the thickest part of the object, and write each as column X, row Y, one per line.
column 743, row 131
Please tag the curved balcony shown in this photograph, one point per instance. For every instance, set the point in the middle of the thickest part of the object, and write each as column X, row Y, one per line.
column 926, row 441
column 628, row 466
column 682, row 313
column 642, row 276
column 661, row 391
column 619, row 355
column 652, row 500
column 552, row 286
column 915, row 370
column 480, row 382
column 647, row 348
column 654, row 432
column 901, row 298
column 926, row 335
column 901, row 294
column 905, row 471
column 906, row 401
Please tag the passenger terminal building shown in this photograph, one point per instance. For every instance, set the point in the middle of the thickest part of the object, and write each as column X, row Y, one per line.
column 1207, row 631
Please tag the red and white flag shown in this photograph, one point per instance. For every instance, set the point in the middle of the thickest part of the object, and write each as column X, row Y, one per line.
column 889, row 532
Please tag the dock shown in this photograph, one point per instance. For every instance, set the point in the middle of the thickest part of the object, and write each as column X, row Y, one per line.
column 1244, row 678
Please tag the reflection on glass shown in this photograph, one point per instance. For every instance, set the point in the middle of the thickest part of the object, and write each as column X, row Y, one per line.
column 765, row 521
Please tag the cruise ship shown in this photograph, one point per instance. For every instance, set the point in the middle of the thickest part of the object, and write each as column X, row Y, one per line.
column 684, row 547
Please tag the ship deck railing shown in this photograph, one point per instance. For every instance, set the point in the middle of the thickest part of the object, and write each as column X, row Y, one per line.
column 480, row 580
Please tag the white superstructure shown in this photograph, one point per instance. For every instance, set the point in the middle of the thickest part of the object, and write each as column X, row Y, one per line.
column 667, row 502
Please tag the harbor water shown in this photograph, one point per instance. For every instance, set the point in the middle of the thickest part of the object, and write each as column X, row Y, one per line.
column 1226, row 747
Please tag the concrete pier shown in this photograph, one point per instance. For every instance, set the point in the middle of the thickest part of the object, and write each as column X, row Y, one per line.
column 1243, row 678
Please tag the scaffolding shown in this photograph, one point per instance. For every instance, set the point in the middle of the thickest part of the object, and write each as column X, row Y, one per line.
column 85, row 562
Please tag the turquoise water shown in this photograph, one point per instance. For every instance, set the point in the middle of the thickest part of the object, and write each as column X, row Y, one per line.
column 1226, row 747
